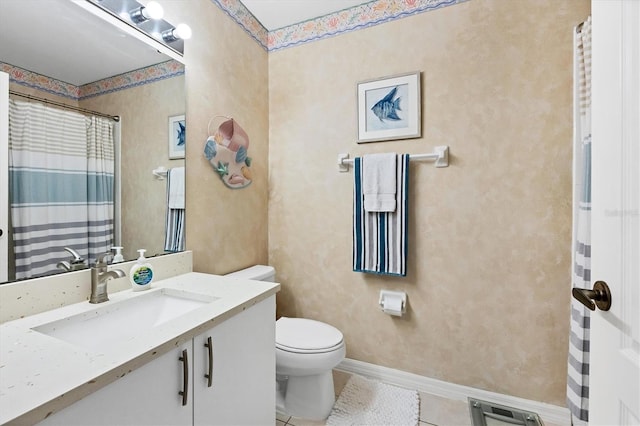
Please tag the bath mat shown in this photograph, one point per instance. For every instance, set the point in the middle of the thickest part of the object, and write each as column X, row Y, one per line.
column 367, row 402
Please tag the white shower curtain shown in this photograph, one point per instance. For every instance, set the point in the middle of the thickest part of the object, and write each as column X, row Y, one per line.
column 61, row 186
column 578, row 366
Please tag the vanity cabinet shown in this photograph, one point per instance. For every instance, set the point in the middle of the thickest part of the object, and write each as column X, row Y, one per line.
column 239, row 354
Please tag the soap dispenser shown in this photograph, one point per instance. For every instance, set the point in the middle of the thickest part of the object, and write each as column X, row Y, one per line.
column 117, row 258
column 141, row 273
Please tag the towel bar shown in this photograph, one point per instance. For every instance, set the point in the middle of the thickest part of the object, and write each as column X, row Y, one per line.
column 440, row 156
column 160, row 173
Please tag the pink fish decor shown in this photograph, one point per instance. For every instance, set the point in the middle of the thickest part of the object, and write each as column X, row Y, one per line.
column 227, row 152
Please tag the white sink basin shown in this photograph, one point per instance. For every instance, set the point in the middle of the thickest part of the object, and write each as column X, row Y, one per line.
column 116, row 322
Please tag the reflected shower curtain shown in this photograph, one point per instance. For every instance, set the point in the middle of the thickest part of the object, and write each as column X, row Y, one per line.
column 578, row 366
column 61, row 186
column 100, row 186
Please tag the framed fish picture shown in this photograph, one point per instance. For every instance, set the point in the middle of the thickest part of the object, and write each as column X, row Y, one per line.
column 389, row 108
column 177, row 136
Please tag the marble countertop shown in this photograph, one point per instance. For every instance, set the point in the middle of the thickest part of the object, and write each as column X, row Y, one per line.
column 40, row 374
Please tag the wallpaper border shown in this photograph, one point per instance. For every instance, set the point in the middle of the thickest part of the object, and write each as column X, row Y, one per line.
column 366, row 15
column 153, row 73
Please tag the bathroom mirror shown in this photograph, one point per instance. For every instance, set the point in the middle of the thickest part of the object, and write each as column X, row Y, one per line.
column 62, row 41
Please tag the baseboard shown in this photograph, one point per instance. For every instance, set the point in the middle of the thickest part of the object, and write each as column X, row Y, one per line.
column 548, row 413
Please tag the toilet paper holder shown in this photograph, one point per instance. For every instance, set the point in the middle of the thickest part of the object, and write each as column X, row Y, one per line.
column 393, row 302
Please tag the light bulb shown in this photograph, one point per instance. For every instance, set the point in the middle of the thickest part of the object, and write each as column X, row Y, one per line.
column 153, row 10
column 183, row 31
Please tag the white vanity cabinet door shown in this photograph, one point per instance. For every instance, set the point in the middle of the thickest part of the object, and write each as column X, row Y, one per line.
column 242, row 391
column 146, row 396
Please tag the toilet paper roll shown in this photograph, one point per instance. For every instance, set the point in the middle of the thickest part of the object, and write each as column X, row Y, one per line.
column 392, row 306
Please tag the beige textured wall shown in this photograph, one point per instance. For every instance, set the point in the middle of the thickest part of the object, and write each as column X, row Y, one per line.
column 489, row 246
column 144, row 112
column 226, row 73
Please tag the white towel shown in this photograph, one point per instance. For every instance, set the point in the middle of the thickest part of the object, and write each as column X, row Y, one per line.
column 379, row 182
column 176, row 188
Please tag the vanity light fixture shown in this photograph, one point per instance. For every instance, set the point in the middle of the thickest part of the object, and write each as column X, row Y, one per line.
column 152, row 10
column 181, row 32
column 142, row 20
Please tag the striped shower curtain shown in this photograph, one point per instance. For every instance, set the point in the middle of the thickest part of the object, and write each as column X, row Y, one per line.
column 100, row 186
column 578, row 366
column 61, row 174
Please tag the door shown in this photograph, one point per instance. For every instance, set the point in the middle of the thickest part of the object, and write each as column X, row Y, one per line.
column 243, row 370
column 149, row 395
column 615, row 235
column 4, row 176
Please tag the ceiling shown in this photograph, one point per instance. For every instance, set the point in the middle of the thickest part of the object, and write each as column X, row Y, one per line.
column 274, row 14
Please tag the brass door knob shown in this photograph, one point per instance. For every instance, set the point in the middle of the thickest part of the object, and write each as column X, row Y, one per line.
column 600, row 294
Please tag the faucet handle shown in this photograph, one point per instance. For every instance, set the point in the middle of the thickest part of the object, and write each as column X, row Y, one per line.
column 76, row 257
column 100, row 260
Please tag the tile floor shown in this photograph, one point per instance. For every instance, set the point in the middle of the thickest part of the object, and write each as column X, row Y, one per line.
column 434, row 410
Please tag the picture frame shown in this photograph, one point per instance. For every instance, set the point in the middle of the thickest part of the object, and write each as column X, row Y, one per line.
column 177, row 137
column 389, row 108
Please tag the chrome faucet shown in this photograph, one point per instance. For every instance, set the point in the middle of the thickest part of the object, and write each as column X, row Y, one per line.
column 99, row 277
column 75, row 264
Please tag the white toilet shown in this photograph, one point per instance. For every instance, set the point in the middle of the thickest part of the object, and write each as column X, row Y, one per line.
column 306, row 352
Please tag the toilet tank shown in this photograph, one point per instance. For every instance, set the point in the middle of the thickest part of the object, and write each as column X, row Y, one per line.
column 256, row 272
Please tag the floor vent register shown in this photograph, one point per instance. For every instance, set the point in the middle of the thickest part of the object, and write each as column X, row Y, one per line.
column 485, row 413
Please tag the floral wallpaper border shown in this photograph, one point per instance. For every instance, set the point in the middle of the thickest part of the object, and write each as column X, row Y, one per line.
column 359, row 17
column 131, row 79
column 41, row 82
column 239, row 13
column 124, row 81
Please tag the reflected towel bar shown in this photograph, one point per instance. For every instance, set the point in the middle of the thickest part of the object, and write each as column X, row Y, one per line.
column 440, row 156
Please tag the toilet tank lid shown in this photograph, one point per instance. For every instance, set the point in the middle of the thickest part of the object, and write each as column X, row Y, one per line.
column 306, row 334
column 256, row 272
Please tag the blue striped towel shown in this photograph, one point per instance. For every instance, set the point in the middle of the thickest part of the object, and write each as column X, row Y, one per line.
column 380, row 238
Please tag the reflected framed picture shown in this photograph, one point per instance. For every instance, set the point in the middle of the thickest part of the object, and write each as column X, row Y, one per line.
column 177, row 136
column 389, row 108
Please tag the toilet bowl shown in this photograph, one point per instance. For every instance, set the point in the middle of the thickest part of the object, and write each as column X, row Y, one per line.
column 306, row 353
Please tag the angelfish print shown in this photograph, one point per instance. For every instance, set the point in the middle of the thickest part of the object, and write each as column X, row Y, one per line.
column 385, row 108
column 181, row 134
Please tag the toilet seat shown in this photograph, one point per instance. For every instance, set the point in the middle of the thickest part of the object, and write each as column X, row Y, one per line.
column 305, row 336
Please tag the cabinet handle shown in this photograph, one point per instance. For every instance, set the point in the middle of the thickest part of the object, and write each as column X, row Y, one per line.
column 209, row 376
column 185, row 374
